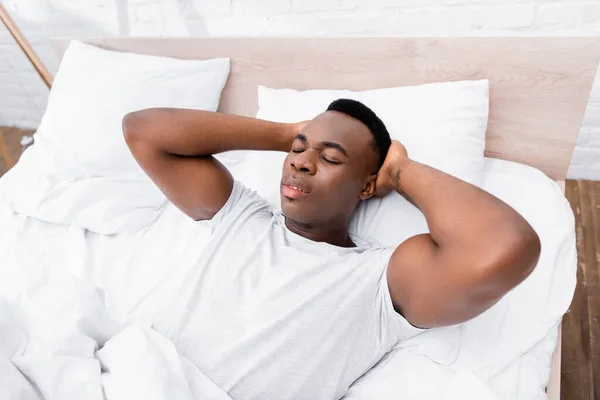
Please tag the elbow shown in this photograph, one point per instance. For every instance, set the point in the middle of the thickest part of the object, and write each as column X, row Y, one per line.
column 527, row 249
column 132, row 124
column 517, row 258
column 139, row 124
column 534, row 245
column 509, row 266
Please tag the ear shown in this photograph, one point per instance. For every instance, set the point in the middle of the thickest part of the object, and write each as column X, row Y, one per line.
column 369, row 188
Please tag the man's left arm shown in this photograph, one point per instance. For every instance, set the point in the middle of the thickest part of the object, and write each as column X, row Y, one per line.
column 477, row 250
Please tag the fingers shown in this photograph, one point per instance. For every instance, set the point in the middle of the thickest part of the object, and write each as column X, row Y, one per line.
column 379, row 193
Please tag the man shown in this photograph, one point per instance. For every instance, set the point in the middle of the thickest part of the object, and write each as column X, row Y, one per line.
column 291, row 306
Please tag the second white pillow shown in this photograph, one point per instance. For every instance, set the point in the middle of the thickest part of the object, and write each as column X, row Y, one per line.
column 441, row 124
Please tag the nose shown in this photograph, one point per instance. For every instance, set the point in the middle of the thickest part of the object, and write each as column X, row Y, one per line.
column 303, row 162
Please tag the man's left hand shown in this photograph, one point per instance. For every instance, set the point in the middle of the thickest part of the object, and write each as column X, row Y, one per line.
column 388, row 176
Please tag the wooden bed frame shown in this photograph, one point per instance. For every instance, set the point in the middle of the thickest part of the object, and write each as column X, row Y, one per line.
column 539, row 86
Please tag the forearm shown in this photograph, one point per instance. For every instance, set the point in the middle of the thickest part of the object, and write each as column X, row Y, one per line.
column 187, row 132
column 460, row 215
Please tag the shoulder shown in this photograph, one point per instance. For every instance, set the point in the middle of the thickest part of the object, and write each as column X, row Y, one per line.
column 371, row 257
column 372, row 250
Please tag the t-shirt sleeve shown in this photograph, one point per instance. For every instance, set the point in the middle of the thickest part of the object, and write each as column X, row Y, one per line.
column 393, row 321
column 242, row 202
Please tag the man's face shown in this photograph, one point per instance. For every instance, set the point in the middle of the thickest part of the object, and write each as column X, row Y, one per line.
column 330, row 168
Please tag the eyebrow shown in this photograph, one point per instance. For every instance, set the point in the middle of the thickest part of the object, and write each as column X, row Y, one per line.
column 301, row 137
column 331, row 145
column 336, row 146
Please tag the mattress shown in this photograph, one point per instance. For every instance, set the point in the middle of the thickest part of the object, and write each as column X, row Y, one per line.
column 133, row 280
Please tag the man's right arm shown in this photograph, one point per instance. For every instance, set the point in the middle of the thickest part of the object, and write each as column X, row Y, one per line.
column 175, row 147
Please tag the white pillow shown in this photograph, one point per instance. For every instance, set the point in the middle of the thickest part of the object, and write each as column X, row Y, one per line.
column 80, row 163
column 441, row 124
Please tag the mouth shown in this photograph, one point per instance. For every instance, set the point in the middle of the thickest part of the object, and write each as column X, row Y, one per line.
column 293, row 192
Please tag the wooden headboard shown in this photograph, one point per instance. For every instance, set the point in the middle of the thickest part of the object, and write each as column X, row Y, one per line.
column 539, row 86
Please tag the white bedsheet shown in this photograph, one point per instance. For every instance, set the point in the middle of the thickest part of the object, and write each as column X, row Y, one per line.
column 49, row 349
column 125, row 287
column 57, row 341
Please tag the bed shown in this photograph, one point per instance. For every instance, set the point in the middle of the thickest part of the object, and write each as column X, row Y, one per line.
column 539, row 86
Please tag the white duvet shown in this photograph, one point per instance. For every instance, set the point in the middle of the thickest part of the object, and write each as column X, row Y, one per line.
column 49, row 349
column 84, row 316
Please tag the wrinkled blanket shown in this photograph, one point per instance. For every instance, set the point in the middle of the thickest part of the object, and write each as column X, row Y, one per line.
column 57, row 341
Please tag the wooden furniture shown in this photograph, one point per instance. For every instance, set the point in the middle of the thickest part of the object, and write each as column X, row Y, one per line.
column 37, row 63
column 539, row 86
column 4, row 152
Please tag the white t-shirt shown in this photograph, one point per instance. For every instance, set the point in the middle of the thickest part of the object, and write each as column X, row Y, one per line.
column 276, row 316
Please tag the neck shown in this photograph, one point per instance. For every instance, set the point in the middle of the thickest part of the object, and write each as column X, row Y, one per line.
column 334, row 234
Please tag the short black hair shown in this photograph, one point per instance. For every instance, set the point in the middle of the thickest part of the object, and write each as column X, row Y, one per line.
column 357, row 110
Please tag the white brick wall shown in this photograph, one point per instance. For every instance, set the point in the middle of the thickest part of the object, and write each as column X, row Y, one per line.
column 23, row 95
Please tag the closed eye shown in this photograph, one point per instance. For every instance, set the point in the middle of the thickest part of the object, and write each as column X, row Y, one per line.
column 330, row 161
column 297, row 150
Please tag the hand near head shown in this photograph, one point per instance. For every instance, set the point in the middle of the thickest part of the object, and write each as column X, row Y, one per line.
column 299, row 126
column 388, row 177
column 292, row 129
